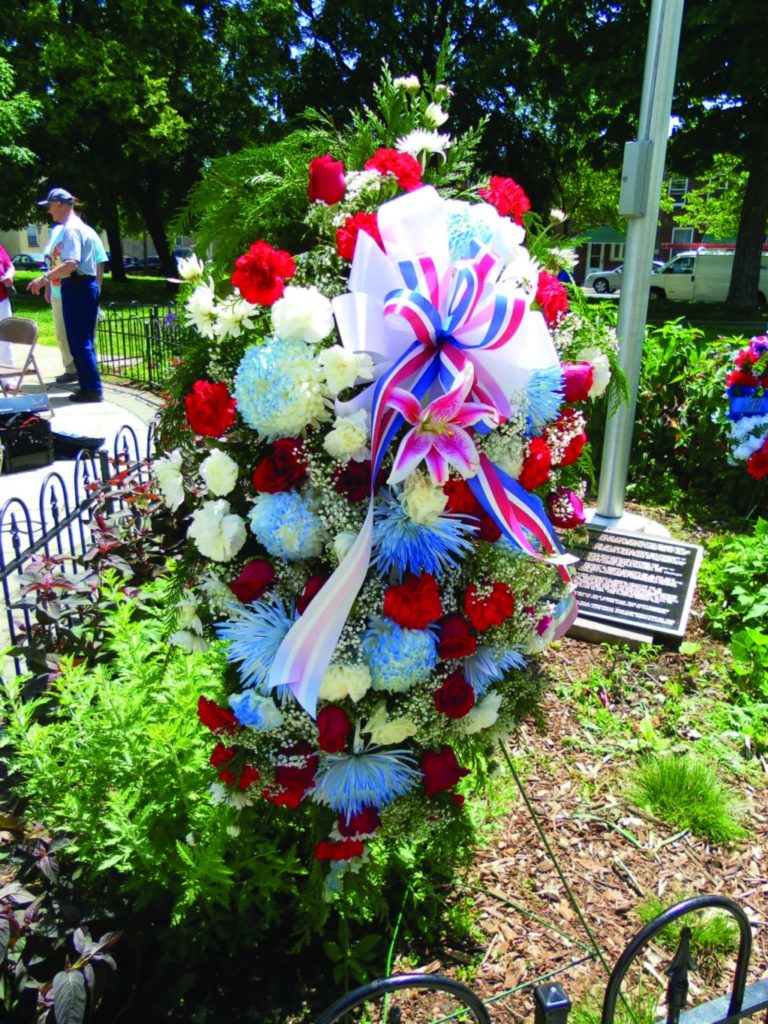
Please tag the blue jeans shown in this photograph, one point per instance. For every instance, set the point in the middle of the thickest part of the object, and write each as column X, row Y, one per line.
column 80, row 306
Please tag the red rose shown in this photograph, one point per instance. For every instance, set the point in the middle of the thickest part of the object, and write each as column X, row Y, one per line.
column 569, row 425
column 327, row 183
column 283, row 467
column 461, row 501
column 456, row 638
column 757, row 463
column 223, row 757
column 313, row 586
column 345, row 850
column 577, row 381
column 565, row 509
column 491, row 609
column 254, row 579
column 508, row 198
column 294, row 778
column 364, row 823
column 441, row 770
column 354, row 480
column 260, row 274
column 346, row 236
column 215, row 717
column 210, row 408
column 455, row 698
column 551, row 297
column 247, row 777
column 415, row 603
column 537, row 465
column 405, row 167
column 333, row 728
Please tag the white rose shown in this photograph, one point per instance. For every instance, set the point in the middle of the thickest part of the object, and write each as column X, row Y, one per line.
column 170, row 479
column 342, row 542
column 421, row 499
column 602, row 369
column 219, row 472
column 302, row 314
column 342, row 367
column 383, row 730
column 217, row 531
column 434, row 115
column 342, row 681
column 483, row 715
column 190, row 267
column 349, row 437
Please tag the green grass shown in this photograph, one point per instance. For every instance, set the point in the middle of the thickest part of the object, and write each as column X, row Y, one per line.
column 714, row 934
column 686, row 792
column 146, row 291
column 638, row 1006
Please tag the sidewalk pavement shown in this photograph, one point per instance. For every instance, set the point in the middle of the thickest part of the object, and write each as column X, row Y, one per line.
column 121, row 407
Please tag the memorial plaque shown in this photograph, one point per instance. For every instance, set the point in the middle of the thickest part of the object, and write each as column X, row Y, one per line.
column 636, row 580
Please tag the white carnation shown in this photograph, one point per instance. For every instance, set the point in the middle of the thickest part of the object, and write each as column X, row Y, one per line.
column 483, row 715
column 302, row 314
column 342, row 681
column 421, row 499
column 389, row 730
column 601, row 367
column 349, row 437
column 342, row 542
column 217, row 531
column 342, row 367
column 170, row 479
column 219, row 472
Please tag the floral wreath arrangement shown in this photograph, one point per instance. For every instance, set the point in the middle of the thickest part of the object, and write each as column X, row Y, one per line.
column 381, row 441
column 747, row 391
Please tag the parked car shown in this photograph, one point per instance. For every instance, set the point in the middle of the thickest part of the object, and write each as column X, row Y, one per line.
column 701, row 275
column 607, row 281
column 150, row 265
column 27, row 261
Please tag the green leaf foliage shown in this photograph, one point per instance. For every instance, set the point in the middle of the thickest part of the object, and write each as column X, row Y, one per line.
column 69, row 997
column 734, row 582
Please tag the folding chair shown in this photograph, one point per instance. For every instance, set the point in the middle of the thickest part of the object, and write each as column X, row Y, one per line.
column 20, row 333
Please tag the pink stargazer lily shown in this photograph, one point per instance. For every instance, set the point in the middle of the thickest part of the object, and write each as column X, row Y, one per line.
column 438, row 434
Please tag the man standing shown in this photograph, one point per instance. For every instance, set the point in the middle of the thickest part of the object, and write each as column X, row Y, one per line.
column 74, row 267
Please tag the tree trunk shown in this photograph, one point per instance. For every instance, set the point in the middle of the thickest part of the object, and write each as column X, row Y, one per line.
column 111, row 219
column 742, row 294
column 155, row 223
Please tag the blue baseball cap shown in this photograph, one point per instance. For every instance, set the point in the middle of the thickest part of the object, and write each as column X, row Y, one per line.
column 57, row 195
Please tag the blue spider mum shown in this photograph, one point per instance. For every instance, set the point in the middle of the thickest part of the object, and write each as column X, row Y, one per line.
column 373, row 777
column 255, row 632
column 287, row 525
column 398, row 658
column 485, row 667
column 401, row 544
column 545, row 397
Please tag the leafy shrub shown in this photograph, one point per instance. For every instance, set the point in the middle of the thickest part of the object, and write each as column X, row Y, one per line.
column 734, row 581
column 686, row 793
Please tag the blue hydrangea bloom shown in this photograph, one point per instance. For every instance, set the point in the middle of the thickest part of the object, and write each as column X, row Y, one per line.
column 398, row 658
column 373, row 777
column 545, row 398
column 469, row 226
column 288, row 526
column 255, row 632
column 484, row 667
column 401, row 544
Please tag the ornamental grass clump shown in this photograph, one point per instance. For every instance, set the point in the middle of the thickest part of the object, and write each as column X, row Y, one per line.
column 686, row 793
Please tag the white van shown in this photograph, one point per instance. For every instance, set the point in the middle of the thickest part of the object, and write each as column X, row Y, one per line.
column 701, row 276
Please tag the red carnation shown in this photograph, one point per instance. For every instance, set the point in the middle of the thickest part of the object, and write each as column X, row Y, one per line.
column 565, row 509
column 537, row 465
column 260, row 274
column 491, row 609
column 567, row 424
column 441, row 770
column 741, row 379
column 415, row 603
column 461, row 501
column 333, row 728
column 757, row 463
column 327, row 183
column 312, row 587
column 345, row 850
column 405, row 167
column 577, row 381
column 254, row 579
column 215, row 717
column 346, row 236
column 551, row 297
column 508, row 198
column 455, row 698
column 354, row 480
column 456, row 638
column 210, row 408
column 364, row 823
column 283, row 468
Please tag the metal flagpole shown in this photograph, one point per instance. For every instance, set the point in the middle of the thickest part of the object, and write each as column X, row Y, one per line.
column 641, row 179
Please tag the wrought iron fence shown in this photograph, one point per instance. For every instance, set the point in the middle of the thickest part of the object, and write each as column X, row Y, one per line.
column 59, row 524
column 138, row 343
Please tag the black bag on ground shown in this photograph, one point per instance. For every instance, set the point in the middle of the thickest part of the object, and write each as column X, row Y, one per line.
column 26, row 441
column 66, row 446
